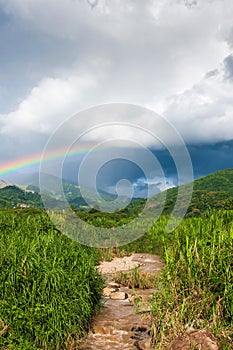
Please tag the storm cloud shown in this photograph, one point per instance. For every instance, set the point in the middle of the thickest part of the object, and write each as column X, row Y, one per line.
column 59, row 58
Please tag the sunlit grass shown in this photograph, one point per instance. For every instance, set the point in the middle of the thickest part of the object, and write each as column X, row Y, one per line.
column 195, row 287
column 136, row 278
column 49, row 286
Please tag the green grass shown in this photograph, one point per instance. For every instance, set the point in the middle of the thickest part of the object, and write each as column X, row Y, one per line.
column 195, row 287
column 49, row 286
column 136, row 278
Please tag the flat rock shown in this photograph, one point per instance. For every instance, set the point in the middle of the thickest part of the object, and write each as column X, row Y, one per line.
column 118, row 296
column 113, row 284
column 108, row 290
column 117, row 265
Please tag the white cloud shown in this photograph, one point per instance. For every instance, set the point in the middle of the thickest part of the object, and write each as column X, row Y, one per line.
column 145, row 50
column 204, row 113
column 47, row 105
column 130, row 51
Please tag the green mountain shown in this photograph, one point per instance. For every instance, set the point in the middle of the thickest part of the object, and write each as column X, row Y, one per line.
column 221, row 181
column 29, row 196
column 212, row 191
column 15, row 197
column 51, row 185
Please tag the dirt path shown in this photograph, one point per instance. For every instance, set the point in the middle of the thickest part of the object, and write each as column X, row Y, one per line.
column 121, row 324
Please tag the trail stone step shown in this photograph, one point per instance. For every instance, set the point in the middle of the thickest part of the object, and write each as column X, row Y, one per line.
column 113, row 284
column 108, row 290
column 118, row 326
column 118, row 296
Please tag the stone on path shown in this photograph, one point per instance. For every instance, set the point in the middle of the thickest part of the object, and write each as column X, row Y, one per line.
column 108, row 290
column 114, row 284
column 118, row 296
column 118, row 326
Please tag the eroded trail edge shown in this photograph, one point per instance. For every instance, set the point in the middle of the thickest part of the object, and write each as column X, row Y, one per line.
column 124, row 321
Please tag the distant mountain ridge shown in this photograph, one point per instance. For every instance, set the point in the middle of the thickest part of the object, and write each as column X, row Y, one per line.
column 12, row 196
column 212, row 191
column 15, row 197
column 4, row 183
column 221, row 180
column 27, row 193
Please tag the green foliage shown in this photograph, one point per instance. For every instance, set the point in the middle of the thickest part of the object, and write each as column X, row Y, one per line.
column 203, row 200
column 13, row 196
column 49, row 286
column 195, row 287
column 213, row 191
column 220, row 181
column 103, row 219
column 136, row 278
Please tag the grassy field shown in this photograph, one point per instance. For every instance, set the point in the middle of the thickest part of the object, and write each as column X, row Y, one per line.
column 195, row 288
column 49, row 286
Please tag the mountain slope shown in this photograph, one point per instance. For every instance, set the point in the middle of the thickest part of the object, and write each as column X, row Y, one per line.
column 220, row 181
column 4, row 183
column 212, row 191
column 28, row 196
column 15, row 197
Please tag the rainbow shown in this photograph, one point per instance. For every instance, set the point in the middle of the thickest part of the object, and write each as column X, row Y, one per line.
column 35, row 159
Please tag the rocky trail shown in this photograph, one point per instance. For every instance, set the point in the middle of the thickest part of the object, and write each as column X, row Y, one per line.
column 122, row 323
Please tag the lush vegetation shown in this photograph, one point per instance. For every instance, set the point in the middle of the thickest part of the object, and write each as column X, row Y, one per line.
column 221, row 180
column 195, row 287
column 49, row 286
column 214, row 191
column 15, row 197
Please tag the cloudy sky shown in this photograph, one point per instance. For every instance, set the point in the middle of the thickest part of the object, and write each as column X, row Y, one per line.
column 61, row 57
